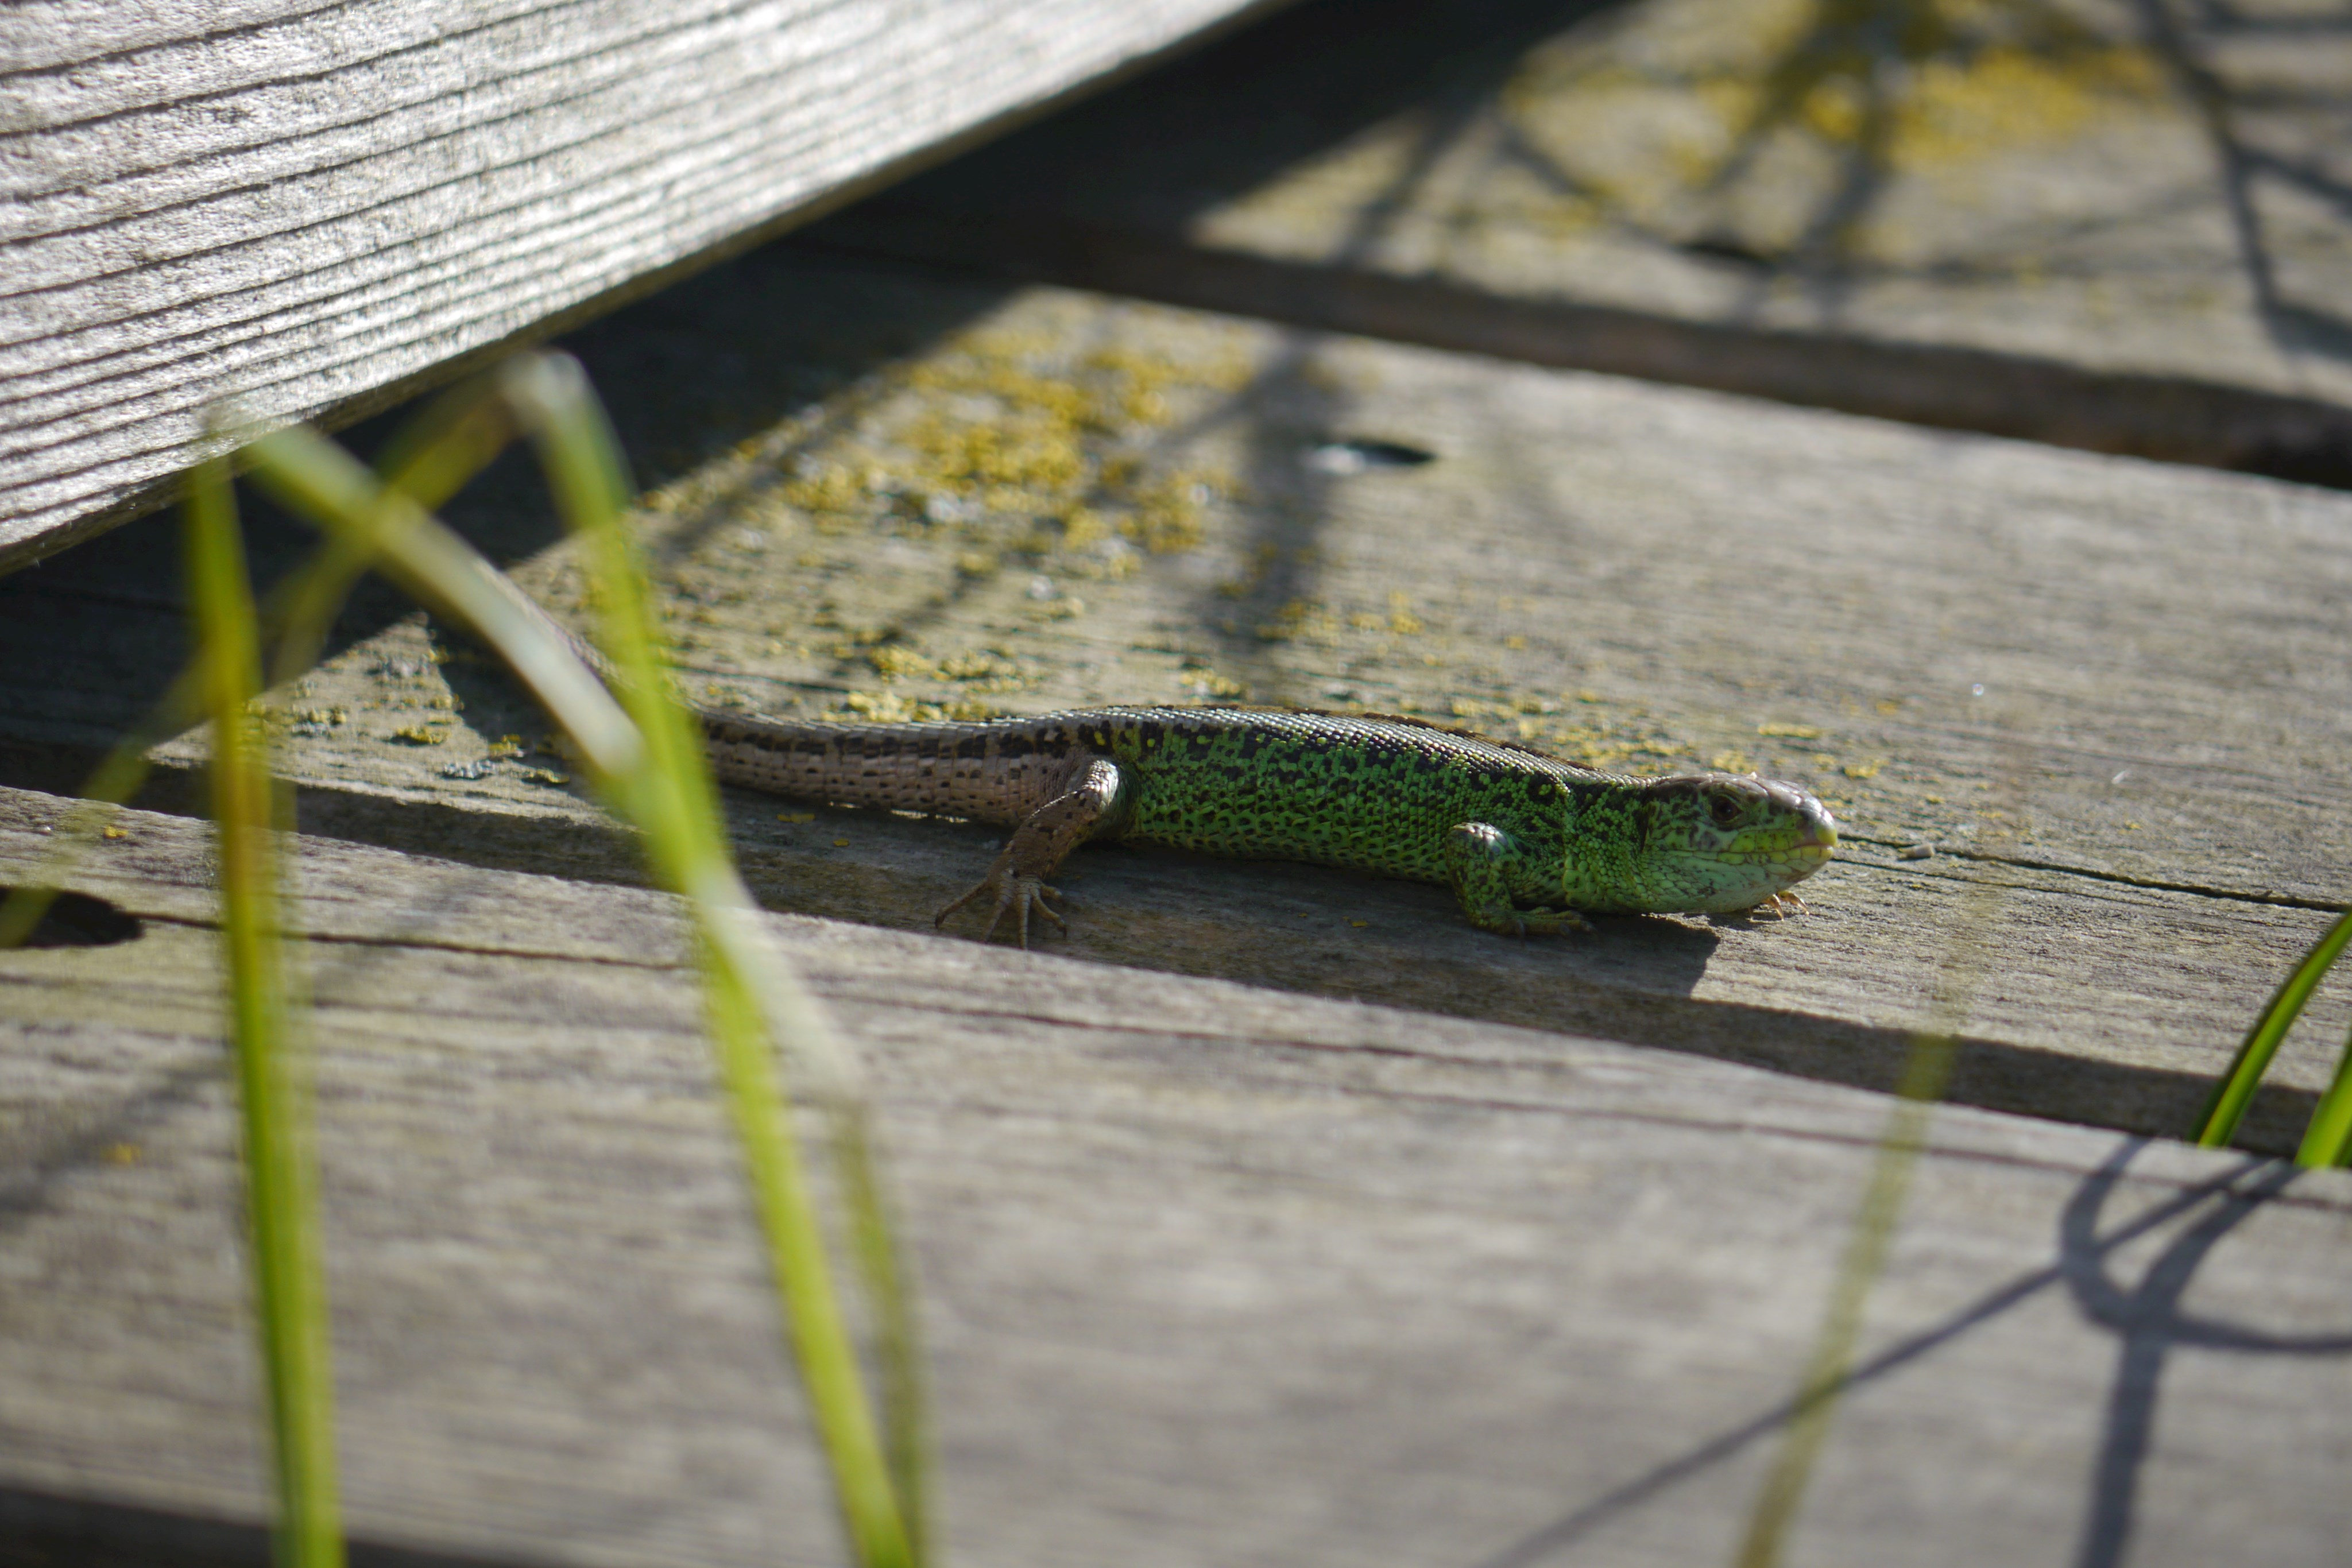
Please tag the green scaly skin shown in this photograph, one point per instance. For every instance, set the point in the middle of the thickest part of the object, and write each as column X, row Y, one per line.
column 1529, row 842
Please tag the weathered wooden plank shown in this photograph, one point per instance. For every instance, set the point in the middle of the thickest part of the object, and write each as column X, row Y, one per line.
column 2113, row 226
column 1210, row 1273
column 2137, row 825
column 306, row 209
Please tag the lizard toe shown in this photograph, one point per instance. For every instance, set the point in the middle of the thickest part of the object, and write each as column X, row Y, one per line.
column 1032, row 896
column 1008, row 900
column 941, row 919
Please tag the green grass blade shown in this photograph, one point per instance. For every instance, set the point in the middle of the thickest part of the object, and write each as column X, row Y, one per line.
column 2217, row 1124
column 2327, row 1141
column 114, row 780
column 466, row 428
column 648, row 762
column 295, row 616
column 898, row 1342
column 755, row 1000
column 273, row 1082
column 434, row 456
column 317, row 479
column 296, row 613
column 818, row 1332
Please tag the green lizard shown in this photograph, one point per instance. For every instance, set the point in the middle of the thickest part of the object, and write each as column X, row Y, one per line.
column 1526, row 841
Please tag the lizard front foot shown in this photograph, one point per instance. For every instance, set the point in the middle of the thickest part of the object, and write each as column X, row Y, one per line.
column 1015, row 893
column 1546, row 922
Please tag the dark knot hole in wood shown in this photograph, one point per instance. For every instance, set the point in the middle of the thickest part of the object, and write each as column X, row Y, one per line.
column 78, row 920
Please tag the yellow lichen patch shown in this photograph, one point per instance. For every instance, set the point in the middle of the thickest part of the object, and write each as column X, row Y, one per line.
column 1300, row 619
column 973, row 667
column 994, row 451
column 1960, row 109
column 1862, row 770
column 1631, row 743
column 1168, row 517
column 898, row 663
column 890, row 708
column 1401, row 620
column 821, row 488
column 1790, row 731
column 1033, row 447
column 1688, row 99
column 978, row 671
column 1207, row 686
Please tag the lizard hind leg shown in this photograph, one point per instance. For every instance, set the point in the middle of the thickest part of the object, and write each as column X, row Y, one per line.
column 1016, row 878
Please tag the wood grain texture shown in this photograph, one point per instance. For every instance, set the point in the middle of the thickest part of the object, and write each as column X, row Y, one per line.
column 2118, row 227
column 1210, row 1273
column 304, row 207
column 2130, row 833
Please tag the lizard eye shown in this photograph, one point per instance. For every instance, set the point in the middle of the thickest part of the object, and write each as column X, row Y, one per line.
column 1724, row 808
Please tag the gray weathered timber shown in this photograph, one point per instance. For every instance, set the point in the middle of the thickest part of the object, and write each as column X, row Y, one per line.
column 309, row 209
column 1210, row 1273
column 2134, row 830
column 2118, row 226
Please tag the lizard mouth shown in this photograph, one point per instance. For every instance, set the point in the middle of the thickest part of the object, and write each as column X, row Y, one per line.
column 1808, row 851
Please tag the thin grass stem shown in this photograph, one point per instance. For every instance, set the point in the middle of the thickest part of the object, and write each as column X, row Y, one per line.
column 295, row 616
column 897, row 1344
column 317, row 479
column 751, row 992
column 273, row 1077
column 644, row 756
column 2327, row 1140
column 2226, row 1108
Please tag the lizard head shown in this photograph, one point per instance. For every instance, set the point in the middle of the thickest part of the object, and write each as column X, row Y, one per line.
column 1712, row 843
